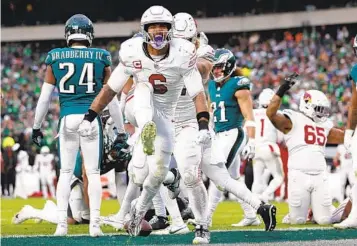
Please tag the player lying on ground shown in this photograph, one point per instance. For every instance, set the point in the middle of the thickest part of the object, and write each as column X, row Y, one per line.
column 116, row 155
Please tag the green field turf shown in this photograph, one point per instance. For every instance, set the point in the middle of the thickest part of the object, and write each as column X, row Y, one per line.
column 226, row 214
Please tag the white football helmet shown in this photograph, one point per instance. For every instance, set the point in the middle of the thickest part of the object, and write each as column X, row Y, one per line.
column 265, row 97
column 45, row 150
column 315, row 105
column 185, row 27
column 153, row 15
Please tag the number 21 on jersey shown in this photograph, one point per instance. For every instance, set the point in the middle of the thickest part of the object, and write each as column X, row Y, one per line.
column 221, row 109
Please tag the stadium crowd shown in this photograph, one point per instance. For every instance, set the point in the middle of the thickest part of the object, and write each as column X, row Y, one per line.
column 323, row 60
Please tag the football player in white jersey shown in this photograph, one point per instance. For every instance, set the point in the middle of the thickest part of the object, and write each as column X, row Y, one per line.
column 306, row 133
column 351, row 144
column 44, row 164
column 344, row 157
column 187, row 152
column 267, row 152
column 161, row 66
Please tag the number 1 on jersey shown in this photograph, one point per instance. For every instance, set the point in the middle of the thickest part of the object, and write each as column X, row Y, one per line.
column 86, row 78
column 262, row 130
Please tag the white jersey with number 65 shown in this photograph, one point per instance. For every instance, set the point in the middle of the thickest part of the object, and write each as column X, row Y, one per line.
column 306, row 142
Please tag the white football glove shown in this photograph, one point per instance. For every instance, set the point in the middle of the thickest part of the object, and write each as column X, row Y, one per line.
column 204, row 137
column 249, row 150
column 85, row 128
column 348, row 139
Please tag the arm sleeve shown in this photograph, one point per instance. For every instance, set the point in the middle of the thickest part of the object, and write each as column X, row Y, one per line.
column 123, row 97
column 42, row 104
column 116, row 114
column 119, row 77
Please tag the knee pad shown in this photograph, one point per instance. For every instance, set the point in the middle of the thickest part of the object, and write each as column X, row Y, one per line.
column 152, row 183
column 191, row 177
column 326, row 220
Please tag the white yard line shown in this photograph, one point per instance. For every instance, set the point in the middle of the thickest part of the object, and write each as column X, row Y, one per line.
column 124, row 233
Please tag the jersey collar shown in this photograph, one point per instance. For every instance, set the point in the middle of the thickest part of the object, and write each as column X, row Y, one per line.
column 145, row 49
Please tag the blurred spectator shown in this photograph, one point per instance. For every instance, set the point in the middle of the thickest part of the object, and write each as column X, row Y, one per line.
column 322, row 61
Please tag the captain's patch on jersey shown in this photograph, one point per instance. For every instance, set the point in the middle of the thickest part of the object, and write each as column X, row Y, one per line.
column 137, row 64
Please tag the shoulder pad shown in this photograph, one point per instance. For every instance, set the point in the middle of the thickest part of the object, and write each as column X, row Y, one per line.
column 206, row 52
column 108, row 57
column 49, row 60
column 184, row 51
column 183, row 47
column 242, row 82
column 129, row 49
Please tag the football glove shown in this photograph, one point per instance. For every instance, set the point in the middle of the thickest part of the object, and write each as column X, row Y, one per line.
column 85, row 128
column 204, row 137
column 249, row 150
column 37, row 137
column 120, row 150
column 289, row 82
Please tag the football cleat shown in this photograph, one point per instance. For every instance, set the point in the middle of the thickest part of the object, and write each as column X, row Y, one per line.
column 173, row 229
column 148, row 136
column 94, row 230
column 134, row 223
column 113, row 222
column 61, row 230
column 159, row 223
column 268, row 214
column 347, row 223
column 248, row 222
column 22, row 215
column 202, row 235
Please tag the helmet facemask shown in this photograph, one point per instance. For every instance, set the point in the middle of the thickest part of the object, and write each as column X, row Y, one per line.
column 321, row 113
column 157, row 40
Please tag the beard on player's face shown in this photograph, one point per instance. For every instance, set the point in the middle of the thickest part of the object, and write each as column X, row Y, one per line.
column 158, row 32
